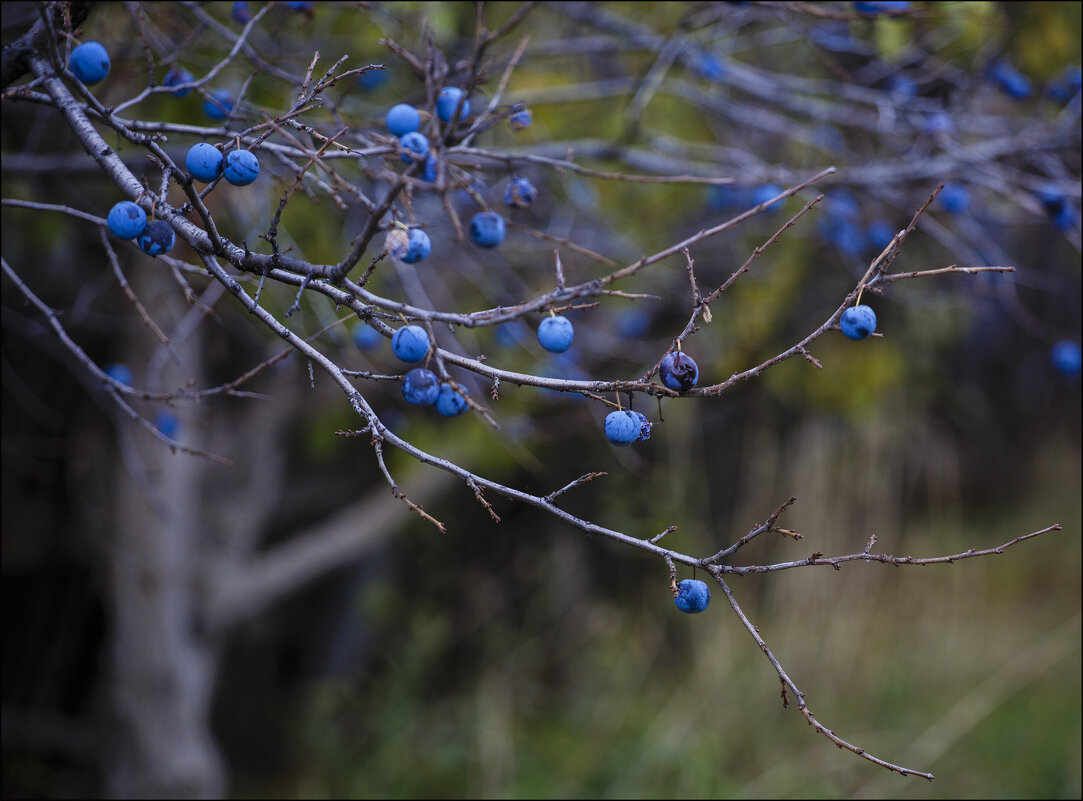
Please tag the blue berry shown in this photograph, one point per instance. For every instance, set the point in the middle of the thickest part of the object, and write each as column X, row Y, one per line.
column 875, row 9
column 858, row 322
column 1064, row 88
column 420, row 387
column 126, row 220
column 679, row 371
column 880, row 233
column 298, row 5
column 937, row 123
column 902, row 86
column 448, row 100
column 849, row 237
column 520, row 193
column 1052, row 199
column 644, row 427
column 521, row 120
column 414, row 248
column 510, row 334
column 167, row 423
column 707, row 65
column 555, row 334
column 366, row 337
column 89, row 62
column 218, row 105
column 1012, row 82
column 204, row 162
column 763, row 193
column 954, row 199
column 449, row 402
column 1067, row 357
column 725, row 196
column 1066, row 218
column 121, row 373
column 176, row 77
column 410, row 343
column 242, row 167
column 403, row 119
column 431, row 168
column 633, row 323
column 622, row 427
column 414, row 142
column 487, row 229
column 241, row 13
column 692, row 596
column 157, row 238
column 372, row 80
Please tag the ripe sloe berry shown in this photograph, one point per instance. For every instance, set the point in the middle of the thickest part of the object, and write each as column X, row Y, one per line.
column 679, row 371
column 692, row 596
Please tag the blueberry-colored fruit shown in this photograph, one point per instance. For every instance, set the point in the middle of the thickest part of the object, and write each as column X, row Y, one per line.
column 300, row 5
column 414, row 248
column 487, row 229
column 858, row 322
column 520, row 193
column 126, row 220
column 218, row 105
column 763, row 193
column 937, row 123
column 403, row 119
column 521, row 120
column 679, row 371
column 420, row 387
column 725, row 196
column 849, row 237
column 241, row 13
column 644, row 427
column 510, row 334
column 448, row 100
column 1064, row 88
column 902, row 86
column 414, row 142
column 622, row 427
column 431, row 169
column 157, row 238
column 555, row 334
column 1067, row 357
column 449, row 402
column 372, row 80
column 707, row 65
column 1066, row 219
column 241, row 168
column 954, row 199
column 176, row 77
column 366, row 337
column 693, row 596
column 1010, row 81
column 167, row 423
column 204, row 162
column 633, row 323
column 410, row 343
column 121, row 373
column 880, row 233
column 1052, row 199
column 89, row 62
column 875, row 9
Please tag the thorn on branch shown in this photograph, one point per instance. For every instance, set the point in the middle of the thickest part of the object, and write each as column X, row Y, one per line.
column 481, row 499
column 658, row 537
column 578, row 482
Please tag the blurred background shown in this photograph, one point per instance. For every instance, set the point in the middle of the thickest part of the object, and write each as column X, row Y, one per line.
column 337, row 645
